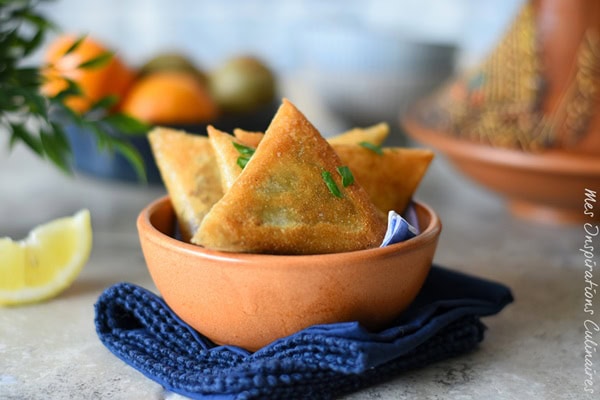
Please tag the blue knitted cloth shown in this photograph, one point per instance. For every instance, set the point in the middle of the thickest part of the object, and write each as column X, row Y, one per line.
column 320, row 362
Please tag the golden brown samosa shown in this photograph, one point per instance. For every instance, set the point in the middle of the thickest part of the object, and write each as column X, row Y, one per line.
column 375, row 134
column 249, row 138
column 226, row 154
column 391, row 177
column 190, row 173
column 281, row 203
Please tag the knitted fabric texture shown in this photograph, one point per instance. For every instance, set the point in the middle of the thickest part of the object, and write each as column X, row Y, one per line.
column 320, row 362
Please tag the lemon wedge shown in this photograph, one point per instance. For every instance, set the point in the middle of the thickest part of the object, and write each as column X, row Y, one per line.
column 47, row 261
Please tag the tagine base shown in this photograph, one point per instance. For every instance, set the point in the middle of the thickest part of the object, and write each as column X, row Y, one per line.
column 548, row 187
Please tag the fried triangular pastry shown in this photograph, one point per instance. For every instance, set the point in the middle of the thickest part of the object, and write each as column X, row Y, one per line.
column 249, row 138
column 280, row 203
column 391, row 177
column 227, row 155
column 375, row 134
column 190, row 173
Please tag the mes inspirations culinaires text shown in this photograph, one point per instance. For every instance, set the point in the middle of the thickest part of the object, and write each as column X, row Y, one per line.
column 591, row 232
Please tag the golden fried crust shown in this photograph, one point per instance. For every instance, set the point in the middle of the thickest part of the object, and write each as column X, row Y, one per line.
column 390, row 178
column 189, row 171
column 280, row 203
column 375, row 134
column 226, row 156
column 248, row 138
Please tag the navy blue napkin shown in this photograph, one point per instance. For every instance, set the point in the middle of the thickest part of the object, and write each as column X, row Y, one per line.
column 320, row 362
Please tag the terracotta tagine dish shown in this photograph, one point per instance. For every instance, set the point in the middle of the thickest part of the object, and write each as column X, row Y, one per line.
column 526, row 122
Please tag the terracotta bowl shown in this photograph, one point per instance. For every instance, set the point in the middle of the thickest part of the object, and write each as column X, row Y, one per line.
column 547, row 187
column 250, row 300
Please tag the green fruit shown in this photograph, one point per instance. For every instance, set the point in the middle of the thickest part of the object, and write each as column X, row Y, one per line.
column 242, row 84
column 171, row 62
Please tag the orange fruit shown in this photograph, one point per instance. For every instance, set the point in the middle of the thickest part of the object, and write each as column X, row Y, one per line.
column 170, row 97
column 112, row 78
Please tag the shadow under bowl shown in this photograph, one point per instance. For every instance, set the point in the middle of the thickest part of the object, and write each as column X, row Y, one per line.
column 250, row 300
column 548, row 187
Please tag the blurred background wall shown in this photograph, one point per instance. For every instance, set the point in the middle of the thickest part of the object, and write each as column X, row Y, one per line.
column 278, row 30
column 366, row 59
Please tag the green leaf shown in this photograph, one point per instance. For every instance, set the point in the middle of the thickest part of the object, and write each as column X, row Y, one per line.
column 373, row 147
column 37, row 104
column 246, row 153
column 13, row 98
column 244, row 150
column 34, row 42
column 331, row 184
column 103, row 139
column 65, row 112
column 72, row 89
column 126, row 124
column 346, row 174
column 106, row 142
column 104, row 103
column 96, row 62
column 242, row 161
column 54, row 151
column 19, row 132
column 60, row 137
column 22, row 31
column 38, row 20
column 75, row 45
column 28, row 77
column 133, row 156
column 9, row 39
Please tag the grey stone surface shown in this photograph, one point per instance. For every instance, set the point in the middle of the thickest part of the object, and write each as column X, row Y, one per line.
column 534, row 349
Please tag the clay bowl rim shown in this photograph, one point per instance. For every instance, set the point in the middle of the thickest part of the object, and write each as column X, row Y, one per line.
column 557, row 162
column 429, row 233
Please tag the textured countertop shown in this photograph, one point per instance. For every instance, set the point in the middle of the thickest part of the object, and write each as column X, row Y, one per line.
column 534, row 349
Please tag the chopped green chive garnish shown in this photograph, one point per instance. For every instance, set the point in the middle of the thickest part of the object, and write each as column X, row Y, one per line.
column 331, row 184
column 346, row 174
column 245, row 151
column 242, row 161
column 372, row 147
